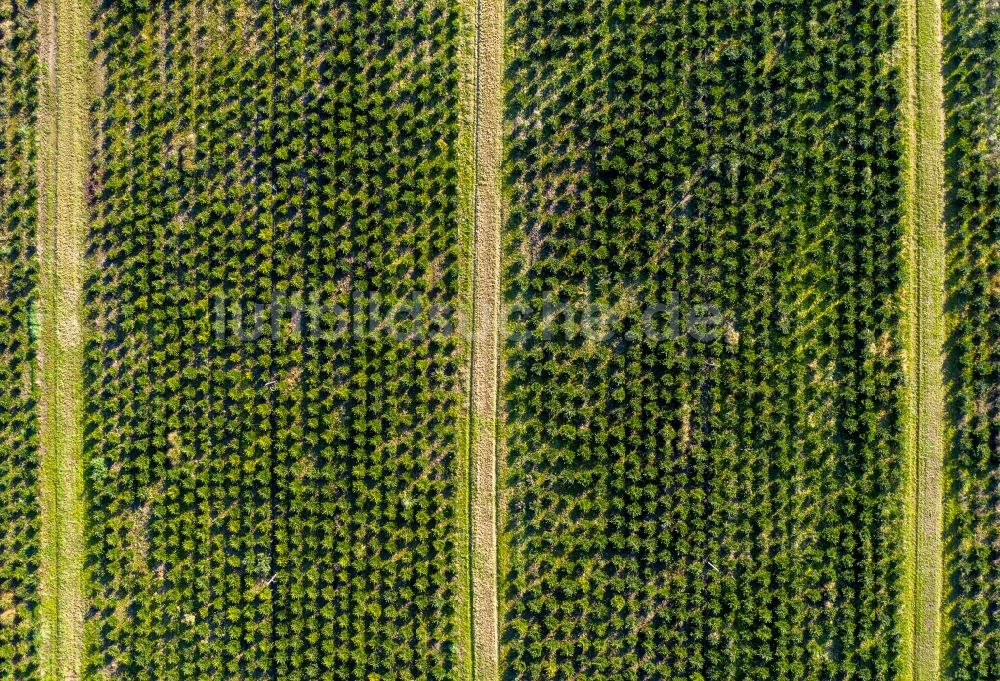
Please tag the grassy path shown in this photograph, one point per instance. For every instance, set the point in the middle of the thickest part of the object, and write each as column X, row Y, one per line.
column 488, row 150
column 64, row 143
column 925, row 339
column 466, row 230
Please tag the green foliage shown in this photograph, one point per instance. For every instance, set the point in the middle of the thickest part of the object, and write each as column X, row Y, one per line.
column 973, row 61
column 682, row 508
column 19, row 465
column 275, row 506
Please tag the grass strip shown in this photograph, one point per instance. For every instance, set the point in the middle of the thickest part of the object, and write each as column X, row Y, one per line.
column 64, row 143
column 485, row 333
column 925, row 293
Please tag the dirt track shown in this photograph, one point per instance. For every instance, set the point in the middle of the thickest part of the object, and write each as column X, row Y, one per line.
column 924, row 302
column 485, row 334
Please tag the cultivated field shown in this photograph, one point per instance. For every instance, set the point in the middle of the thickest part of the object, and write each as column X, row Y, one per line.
column 499, row 339
column 19, row 453
column 272, row 473
column 703, row 500
column 972, row 532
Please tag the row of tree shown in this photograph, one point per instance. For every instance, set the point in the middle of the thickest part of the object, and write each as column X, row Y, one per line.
column 276, row 503
column 722, row 504
column 19, row 463
column 973, row 530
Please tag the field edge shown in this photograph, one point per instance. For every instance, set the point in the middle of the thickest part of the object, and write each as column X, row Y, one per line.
column 466, row 161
